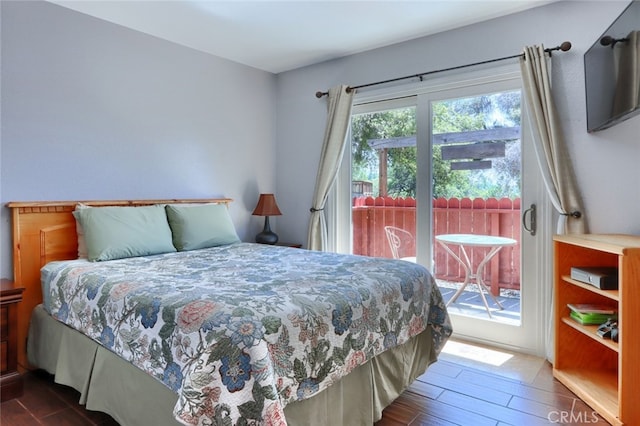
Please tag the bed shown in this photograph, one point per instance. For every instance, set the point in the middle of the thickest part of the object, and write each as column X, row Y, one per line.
column 220, row 332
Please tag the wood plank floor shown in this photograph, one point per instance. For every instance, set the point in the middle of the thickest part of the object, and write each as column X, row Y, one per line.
column 461, row 392
column 469, row 386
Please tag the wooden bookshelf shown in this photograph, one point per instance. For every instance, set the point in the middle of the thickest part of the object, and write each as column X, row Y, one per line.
column 603, row 373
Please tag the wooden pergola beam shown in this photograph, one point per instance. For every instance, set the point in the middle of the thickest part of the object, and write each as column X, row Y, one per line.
column 484, row 135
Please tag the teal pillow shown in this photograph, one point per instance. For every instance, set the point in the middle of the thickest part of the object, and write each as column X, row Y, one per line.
column 200, row 226
column 119, row 232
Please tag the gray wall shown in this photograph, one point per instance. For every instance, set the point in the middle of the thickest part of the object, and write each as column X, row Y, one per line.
column 92, row 110
column 606, row 163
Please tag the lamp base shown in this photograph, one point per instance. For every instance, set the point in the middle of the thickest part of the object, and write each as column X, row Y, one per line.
column 266, row 236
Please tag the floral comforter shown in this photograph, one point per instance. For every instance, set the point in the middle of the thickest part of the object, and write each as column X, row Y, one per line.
column 239, row 331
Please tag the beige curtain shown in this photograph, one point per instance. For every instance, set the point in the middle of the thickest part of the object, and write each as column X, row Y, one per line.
column 338, row 117
column 553, row 159
column 552, row 156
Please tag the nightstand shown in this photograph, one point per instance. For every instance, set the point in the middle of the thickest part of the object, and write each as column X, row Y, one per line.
column 10, row 379
column 283, row 244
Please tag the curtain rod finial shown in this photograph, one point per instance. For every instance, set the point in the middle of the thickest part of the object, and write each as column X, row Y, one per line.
column 565, row 46
column 320, row 94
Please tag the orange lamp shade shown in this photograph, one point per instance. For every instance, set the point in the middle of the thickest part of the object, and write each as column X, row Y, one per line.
column 267, row 206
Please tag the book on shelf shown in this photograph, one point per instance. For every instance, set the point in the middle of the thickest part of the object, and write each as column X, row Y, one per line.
column 591, row 319
column 592, row 308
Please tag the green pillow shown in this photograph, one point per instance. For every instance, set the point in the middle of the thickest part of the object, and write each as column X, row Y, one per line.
column 200, row 226
column 118, row 232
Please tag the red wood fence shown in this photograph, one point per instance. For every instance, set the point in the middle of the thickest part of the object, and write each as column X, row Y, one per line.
column 450, row 216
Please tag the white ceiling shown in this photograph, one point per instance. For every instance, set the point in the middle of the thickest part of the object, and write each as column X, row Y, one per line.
column 277, row 36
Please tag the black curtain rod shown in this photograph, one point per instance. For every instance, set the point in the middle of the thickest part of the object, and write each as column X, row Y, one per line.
column 563, row 47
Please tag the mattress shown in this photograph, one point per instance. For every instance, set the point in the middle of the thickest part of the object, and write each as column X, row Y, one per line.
column 239, row 332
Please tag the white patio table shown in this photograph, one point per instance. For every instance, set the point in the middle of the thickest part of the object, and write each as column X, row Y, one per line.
column 471, row 240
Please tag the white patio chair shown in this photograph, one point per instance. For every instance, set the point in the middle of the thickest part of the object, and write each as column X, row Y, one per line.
column 401, row 242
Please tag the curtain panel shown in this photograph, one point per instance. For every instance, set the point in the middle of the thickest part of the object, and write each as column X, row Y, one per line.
column 553, row 159
column 338, row 118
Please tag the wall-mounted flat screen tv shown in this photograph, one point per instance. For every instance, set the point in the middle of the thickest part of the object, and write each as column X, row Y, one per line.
column 612, row 72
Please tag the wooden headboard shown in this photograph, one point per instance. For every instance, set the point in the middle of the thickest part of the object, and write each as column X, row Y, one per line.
column 44, row 231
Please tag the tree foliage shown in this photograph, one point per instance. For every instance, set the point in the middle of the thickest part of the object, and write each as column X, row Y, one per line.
column 457, row 115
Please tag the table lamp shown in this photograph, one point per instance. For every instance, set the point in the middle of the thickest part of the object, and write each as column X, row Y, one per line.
column 266, row 207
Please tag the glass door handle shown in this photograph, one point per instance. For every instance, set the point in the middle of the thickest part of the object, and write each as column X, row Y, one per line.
column 531, row 226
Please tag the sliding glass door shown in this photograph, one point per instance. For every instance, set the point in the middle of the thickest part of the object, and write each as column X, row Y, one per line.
column 438, row 178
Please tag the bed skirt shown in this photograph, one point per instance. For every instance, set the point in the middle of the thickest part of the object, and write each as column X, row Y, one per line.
column 112, row 385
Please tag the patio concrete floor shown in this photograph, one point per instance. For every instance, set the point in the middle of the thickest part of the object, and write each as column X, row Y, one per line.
column 470, row 303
